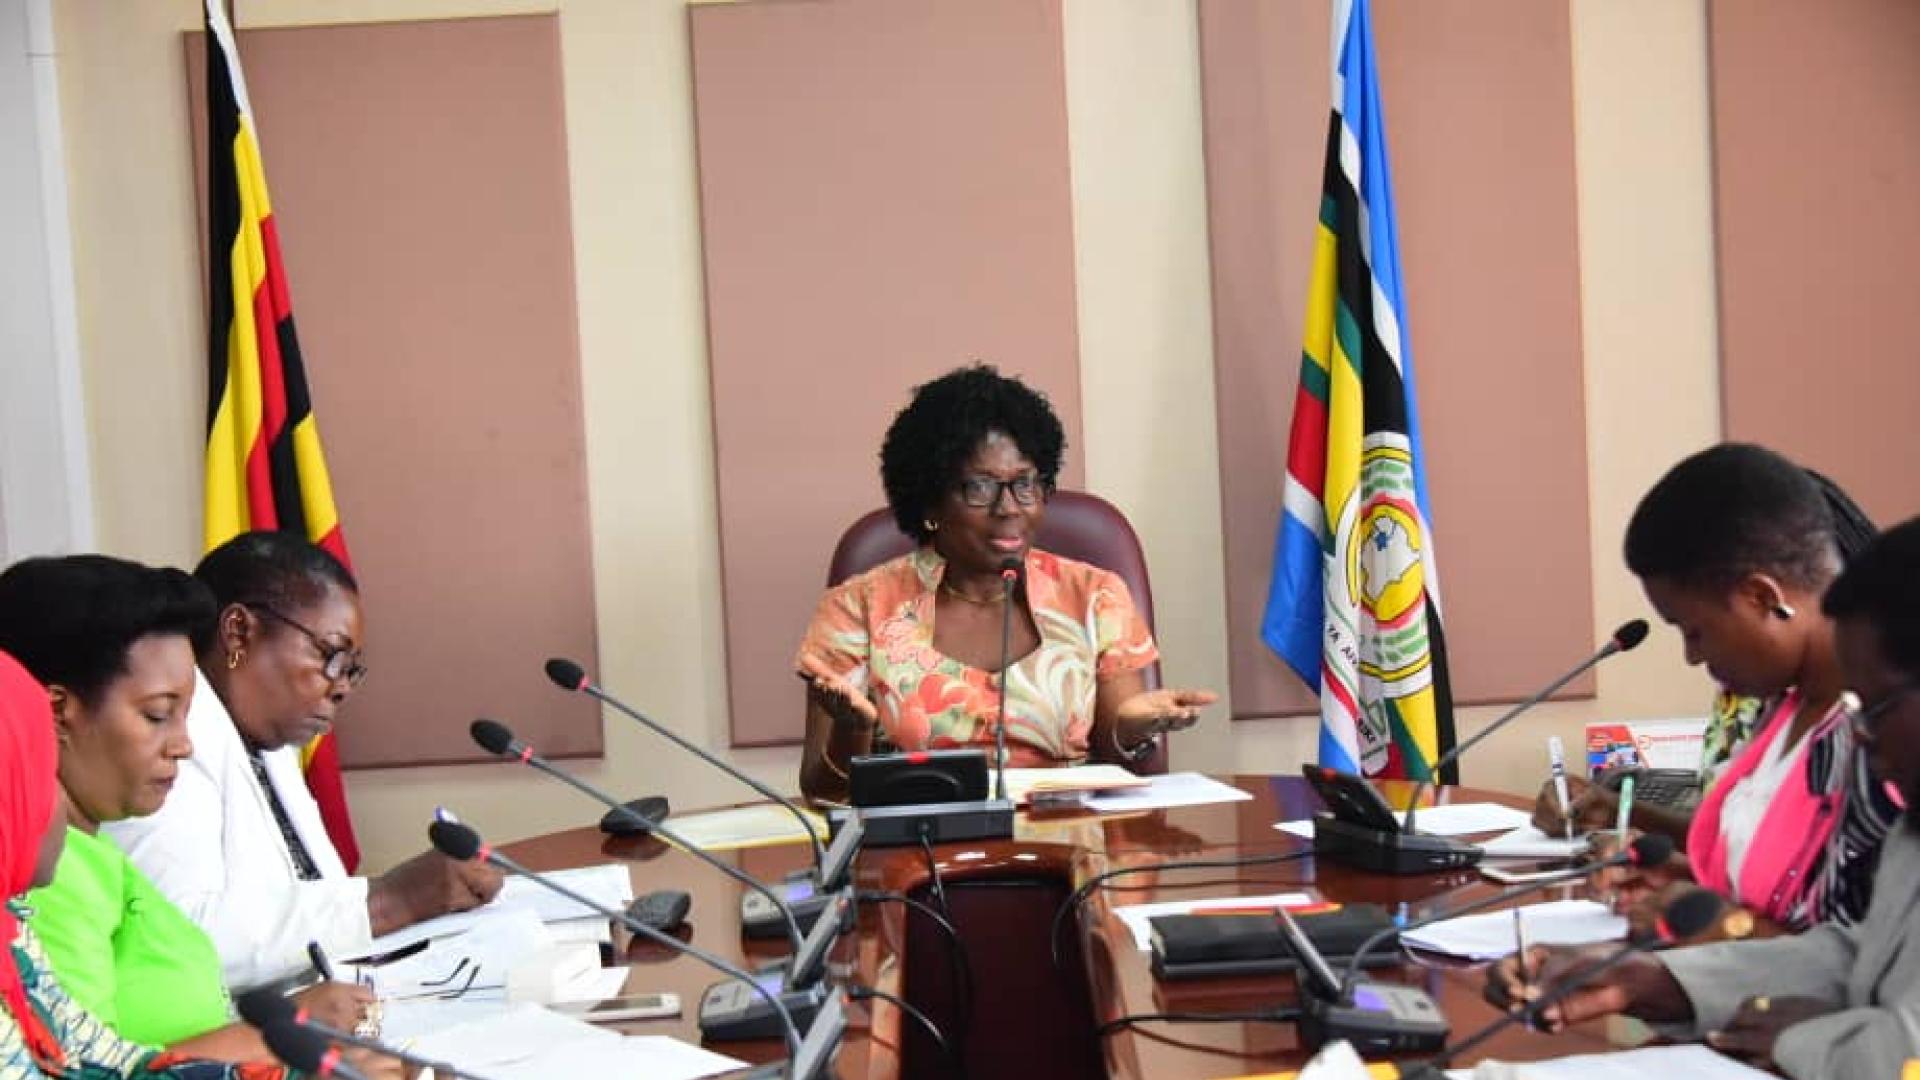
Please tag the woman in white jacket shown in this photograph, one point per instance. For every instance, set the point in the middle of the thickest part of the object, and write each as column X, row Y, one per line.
column 239, row 845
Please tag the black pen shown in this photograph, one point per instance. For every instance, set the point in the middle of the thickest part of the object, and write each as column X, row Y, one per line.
column 319, row 957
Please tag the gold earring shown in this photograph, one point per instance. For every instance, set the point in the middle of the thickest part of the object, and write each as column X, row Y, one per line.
column 234, row 658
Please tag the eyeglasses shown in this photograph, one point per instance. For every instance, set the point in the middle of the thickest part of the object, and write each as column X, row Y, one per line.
column 337, row 662
column 1868, row 718
column 984, row 491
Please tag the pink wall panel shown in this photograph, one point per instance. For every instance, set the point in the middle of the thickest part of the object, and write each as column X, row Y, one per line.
column 884, row 197
column 419, row 178
column 1478, row 98
column 1816, row 161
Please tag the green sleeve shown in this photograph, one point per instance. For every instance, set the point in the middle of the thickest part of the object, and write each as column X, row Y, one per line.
column 74, row 918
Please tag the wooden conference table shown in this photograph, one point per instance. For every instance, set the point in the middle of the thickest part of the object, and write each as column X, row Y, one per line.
column 1029, row 1017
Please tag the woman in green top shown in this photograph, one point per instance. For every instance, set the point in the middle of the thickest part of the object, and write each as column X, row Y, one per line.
column 113, row 641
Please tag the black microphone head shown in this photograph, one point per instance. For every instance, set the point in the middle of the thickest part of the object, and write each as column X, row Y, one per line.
column 264, row 1007
column 1650, row 849
column 454, row 840
column 566, row 674
column 1630, row 635
column 1690, row 913
column 1011, row 568
column 298, row 1046
column 493, row 736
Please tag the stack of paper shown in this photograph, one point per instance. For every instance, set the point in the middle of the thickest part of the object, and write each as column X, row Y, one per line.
column 1528, row 842
column 1490, row 936
column 527, row 1042
column 1163, row 792
column 610, row 885
column 1686, row 1062
column 745, row 826
column 1453, row 819
column 1076, row 783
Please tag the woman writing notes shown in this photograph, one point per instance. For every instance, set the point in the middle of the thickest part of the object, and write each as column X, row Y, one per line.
column 1734, row 547
column 239, row 845
column 913, row 646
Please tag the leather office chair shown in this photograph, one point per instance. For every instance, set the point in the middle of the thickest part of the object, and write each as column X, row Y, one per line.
column 1077, row 525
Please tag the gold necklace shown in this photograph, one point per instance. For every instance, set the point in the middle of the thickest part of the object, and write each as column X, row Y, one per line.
column 998, row 598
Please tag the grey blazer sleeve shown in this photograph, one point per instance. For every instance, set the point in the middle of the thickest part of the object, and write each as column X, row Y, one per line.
column 1717, row 978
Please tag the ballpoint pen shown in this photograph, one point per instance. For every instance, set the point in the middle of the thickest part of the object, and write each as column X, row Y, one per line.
column 1626, row 812
column 1557, row 761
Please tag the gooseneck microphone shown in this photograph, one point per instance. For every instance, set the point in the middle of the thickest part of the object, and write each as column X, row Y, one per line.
column 498, row 738
column 267, row 1007
column 568, row 675
column 307, row 1050
column 1009, row 578
column 1649, row 850
column 1688, row 914
column 1624, row 639
column 460, row 843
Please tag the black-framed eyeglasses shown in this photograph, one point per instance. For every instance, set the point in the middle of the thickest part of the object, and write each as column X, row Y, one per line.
column 1867, row 720
column 984, row 491
column 337, row 662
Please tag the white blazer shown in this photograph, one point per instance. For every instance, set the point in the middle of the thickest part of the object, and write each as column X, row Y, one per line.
column 215, row 850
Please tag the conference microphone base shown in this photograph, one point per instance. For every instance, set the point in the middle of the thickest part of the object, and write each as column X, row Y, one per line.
column 762, row 921
column 1377, row 1018
column 731, row 1011
column 1388, row 852
column 936, row 823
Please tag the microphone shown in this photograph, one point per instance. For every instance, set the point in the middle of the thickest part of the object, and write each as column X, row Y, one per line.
column 267, row 1007
column 568, row 675
column 307, row 1050
column 1009, row 578
column 459, row 842
column 498, row 738
column 1627, row 637
column 1651, row 849
column 1689, row 913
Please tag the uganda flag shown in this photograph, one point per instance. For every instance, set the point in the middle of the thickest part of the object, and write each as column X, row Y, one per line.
column 1354, row 602
column 265, row 468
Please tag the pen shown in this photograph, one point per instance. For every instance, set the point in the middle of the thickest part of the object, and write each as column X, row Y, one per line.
column 1626, row 811
column 319, row 957
column 1557, row 761
column 1520, row 950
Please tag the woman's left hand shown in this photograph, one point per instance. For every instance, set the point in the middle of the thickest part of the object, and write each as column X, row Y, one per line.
column 1150, row 712
column 338, row 1005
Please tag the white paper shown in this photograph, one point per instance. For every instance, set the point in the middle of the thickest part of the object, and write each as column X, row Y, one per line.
column 477, row 959
column 610, row 885
column 527, row 1042
column 1489, row 936
column 1173, row 789
column 1689, row 1061
column 1336, row 1061
column 597, row 984
column 1021, row 782
column 1452, row 819
column 744, row 826
column 1136, row 916
column 1528, row 842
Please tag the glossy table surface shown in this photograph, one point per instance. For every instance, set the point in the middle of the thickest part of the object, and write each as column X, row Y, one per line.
column 1114, row 976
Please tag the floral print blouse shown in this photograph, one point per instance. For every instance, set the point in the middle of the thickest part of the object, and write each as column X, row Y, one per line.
column 91, row 1049
column 876, row 629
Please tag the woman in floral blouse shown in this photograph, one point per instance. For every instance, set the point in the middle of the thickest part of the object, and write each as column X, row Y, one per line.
column 913, row 647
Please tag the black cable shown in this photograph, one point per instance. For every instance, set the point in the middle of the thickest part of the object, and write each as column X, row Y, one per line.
column 962, row 966
column 861, row 993
column 1079, row 895
column 1264, row 1016
column 933, row 869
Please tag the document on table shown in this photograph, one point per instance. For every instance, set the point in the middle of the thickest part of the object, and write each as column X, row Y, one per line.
column 1685, row 1062
column 1136, row 916
column 530, row 1042
column 1490, row 936
column 610, row 885
column 1163, row 792
column 1082, row 780
column 759, row 825
column 1452, row 819
column 1527, row 842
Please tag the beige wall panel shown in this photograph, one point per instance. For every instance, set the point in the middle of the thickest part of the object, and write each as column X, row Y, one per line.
column 424, row 216
column 1483, row 173
column 884, row 195
column 1816, row 144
